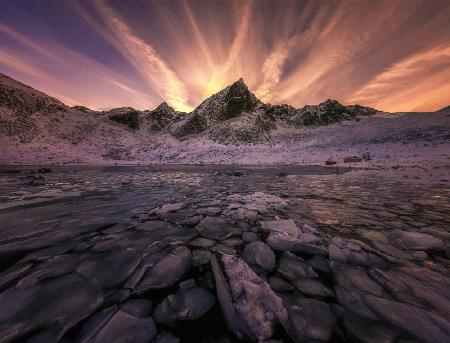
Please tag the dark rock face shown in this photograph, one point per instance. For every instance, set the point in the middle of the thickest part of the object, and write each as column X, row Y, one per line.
column 228, row 103
column 193, row 123
column 282, row 112
column 161, row 117
column 328, row 112
column 124, row 115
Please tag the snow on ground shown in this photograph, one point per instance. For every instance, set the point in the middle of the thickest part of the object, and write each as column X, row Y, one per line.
column 406, row 143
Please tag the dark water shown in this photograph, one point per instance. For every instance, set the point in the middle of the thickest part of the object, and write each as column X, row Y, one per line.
column 78, row 204
column 78, row 196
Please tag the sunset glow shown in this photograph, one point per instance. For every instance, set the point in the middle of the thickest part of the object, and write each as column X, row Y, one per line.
column 390, row 55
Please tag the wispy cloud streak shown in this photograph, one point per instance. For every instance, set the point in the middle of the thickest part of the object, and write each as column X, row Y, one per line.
column 386, row 54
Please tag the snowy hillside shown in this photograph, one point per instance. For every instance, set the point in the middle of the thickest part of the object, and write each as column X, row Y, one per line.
column 232, row 126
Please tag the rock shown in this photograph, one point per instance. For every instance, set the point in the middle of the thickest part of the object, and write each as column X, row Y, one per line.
column 241, row 212
column 249, row 306
column 191, row 221
column 312, row 287
column 355, row 278
column 412, row 285
column 417, row 241
column 44, row 170
column 283, row 234
column 262, row 202
column 37, row 180
column 293, row 267
column 138, row 308
column 309, row 238
column 166, row 271
column 167, row 208
column 217, row 228
column 125, row 115
column 419, row 255
column 353, row 301
column 336, row 253
column 249, row 237
column 27, row 309
column 319, row 263
column 423, row 325
column 166, row 337
column 279, row 284
column 201, row 242
column 110, row 269
column 312, row 249
column 260, row 255
column 209, row 211
column 232, row 242
column 352, row 159
column 310, row 320
column 200, row 257
column 121, row 327
column 224, row 249
column 189, row 303
column 368, row 331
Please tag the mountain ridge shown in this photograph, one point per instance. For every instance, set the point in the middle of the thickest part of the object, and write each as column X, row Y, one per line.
column 232, row 116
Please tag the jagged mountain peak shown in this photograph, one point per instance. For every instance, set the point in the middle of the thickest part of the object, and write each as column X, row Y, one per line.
column 330, row 102
column 164, row 106
column 239, row 83
column 161, row 116
column 229, row 103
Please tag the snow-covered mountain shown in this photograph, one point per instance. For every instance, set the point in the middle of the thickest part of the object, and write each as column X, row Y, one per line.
column 231, row 126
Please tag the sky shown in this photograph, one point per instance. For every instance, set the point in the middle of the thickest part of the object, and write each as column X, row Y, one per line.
column 390, row 55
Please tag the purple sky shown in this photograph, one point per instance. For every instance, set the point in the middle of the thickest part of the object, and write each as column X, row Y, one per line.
column 391, row 55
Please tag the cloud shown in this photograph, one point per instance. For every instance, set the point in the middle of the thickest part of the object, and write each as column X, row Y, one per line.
column 56, row 70
column 143, row 56
column 271, row 70
column 419, row 82
column 181, row 52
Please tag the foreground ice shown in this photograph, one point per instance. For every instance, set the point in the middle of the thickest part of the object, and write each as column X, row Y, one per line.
column 192, row 255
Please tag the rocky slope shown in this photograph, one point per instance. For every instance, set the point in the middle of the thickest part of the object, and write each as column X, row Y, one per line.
column 23, row 99
column 232, row 126
column 233, row 115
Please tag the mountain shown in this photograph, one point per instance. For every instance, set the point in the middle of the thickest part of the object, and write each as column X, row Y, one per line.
column 161, row 117
column 229, row 103
column 326, row 113
column 18, row 102
column 230, row 126
column 232, row 115
column 124, row 115
column 23, row 99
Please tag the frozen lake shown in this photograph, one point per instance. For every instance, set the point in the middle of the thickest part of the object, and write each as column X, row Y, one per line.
column 336, row 258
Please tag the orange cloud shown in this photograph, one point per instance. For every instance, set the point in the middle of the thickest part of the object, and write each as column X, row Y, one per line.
column 381, row 54
column 419, row 82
